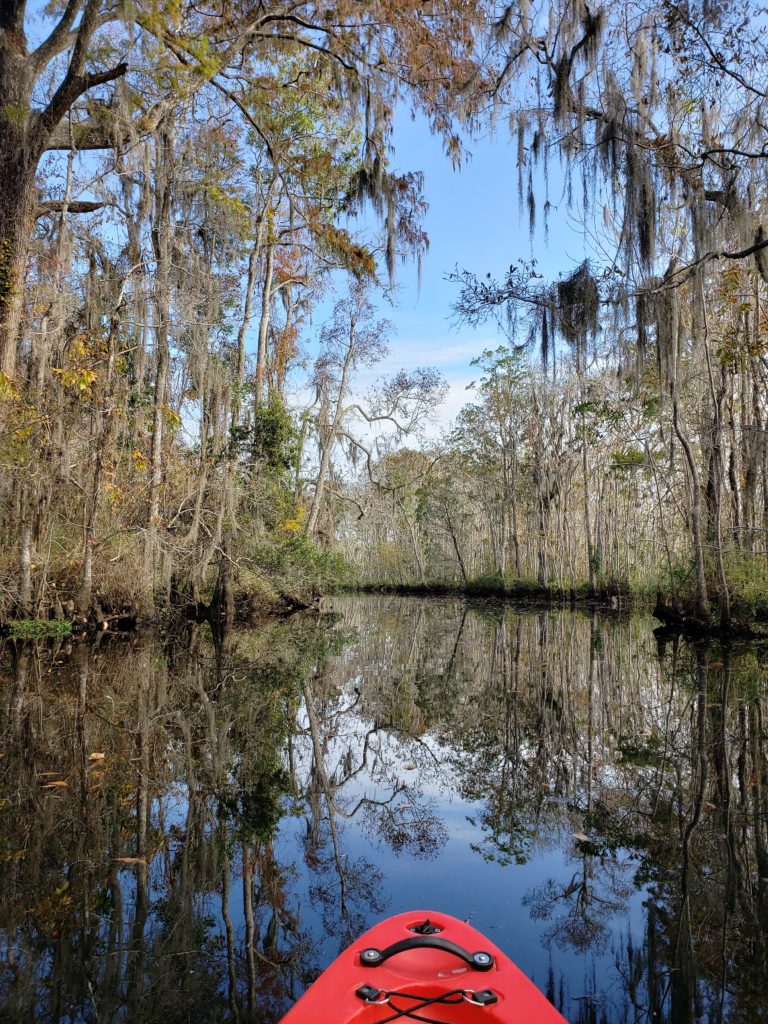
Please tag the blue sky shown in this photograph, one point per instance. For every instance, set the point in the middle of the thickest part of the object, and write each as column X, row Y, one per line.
column 473, row 222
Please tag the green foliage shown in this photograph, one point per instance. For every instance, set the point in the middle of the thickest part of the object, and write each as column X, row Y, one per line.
column 595, row 559
column 628, row 458
column 747, row 576
column 296, row 566
column 486, row 583
column 38, row 629
column 508, row 842
column 15, row 114
column 258, row 808
column 680, row 576
column 748, row 677
column 641, row 754
column 501, row 367
column 274, row 438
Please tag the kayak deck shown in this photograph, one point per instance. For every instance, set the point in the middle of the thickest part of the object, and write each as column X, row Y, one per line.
column 426, row 966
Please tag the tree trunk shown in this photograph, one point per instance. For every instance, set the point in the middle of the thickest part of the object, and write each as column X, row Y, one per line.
column 543, row 574
column 714, row 496
column 261, row 355
column 253, row 268
column 240, row 373
column 701, row 603
column 587, row 521
column 513, row 504
column 503, row 542
column 322, row 475
column 456, row 548
column 161, row 245
column 25, row 589
column 332, row 435
column 734, row 474
column 498, row 559
column 17, row 177
column 17, row 203
column 414, row 543
column 715, row 477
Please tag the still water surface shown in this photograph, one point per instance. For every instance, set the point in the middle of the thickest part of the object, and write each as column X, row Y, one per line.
column 191, row 831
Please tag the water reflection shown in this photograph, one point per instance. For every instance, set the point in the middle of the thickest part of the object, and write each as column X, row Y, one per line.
column 193, row 830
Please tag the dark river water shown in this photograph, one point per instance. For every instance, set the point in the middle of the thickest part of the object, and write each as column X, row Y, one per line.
column 191, row 831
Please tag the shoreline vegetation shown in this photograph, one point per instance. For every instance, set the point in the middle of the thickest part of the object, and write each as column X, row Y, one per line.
column 673, row 621
column 230, row 606
column 515, row 592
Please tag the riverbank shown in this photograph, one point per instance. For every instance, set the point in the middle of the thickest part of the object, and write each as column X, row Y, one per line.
column 237, row 601
column 675, row 619
column 517, row 592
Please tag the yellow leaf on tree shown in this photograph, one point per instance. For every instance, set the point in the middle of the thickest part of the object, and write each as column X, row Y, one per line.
column 172, row 418
column 8, row 390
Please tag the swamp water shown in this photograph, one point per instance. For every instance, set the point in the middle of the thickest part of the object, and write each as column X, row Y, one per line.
column 191, row 832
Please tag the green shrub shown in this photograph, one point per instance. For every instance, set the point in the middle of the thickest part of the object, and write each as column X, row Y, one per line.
column 747, row 577
column 38, row 629
column 294, row 565
column 486, row 583
column 274, row 438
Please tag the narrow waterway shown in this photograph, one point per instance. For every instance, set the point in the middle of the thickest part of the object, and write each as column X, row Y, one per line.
column 191, row 831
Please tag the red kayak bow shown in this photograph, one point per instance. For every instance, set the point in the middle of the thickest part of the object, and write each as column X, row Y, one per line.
column 423, row 966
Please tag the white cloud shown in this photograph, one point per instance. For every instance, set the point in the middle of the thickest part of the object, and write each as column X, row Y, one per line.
column 408, row 353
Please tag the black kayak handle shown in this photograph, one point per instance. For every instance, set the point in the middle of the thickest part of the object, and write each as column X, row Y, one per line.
column 480, row 961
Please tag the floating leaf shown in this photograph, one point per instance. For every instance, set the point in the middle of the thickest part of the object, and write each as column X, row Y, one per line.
column 409, row 767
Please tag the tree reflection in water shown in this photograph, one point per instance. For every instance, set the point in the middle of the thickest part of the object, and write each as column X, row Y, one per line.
column 596, row 801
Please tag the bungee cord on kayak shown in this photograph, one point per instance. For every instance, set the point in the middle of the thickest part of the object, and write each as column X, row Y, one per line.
column 455, row 996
